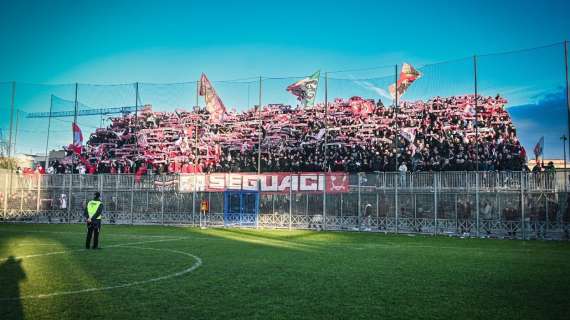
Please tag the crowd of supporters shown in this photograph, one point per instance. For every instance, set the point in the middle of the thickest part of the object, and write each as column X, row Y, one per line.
column 355, row 135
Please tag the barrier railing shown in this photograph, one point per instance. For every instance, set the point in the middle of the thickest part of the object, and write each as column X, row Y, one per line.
column 495, row 204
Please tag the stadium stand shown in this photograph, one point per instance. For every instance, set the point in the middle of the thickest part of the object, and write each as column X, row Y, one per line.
column 441, row 134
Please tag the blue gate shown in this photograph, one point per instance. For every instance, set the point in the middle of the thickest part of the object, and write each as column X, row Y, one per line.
column 241, row 208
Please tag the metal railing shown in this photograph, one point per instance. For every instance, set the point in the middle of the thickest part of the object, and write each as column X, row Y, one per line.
column 485, row 204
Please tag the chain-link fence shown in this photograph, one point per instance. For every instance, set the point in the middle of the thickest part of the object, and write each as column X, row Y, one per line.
column 529, row 85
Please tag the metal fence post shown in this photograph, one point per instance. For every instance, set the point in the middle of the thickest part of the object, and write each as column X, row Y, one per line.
column 38, row 200
column 435, row 202
column 162, row 204
column 194, row 200
column 21, row 195
column 290, row 202
column 132, row 197
column 325, row 202
column 359, row 212
column 6, row 195
column 377, row 202
column 522, row 206
column 396, row 203
column 477, row 200
column 69, row 203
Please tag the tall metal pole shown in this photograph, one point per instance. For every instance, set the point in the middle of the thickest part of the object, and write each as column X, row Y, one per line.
column 195, row 155
column 49, row 126
column 326, row 122
column 10, row 155
column 11, row 118
column 259, row 157
column 75, row 104
column 564, row 138
column 325, row 150
column 136, row 117
column 396, row 134
column 476, row 143
column 260, row 133
column 476, row 114
column 567, row 105
column 16, row 130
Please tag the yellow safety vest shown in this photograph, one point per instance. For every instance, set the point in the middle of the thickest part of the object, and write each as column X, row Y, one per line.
column 92, row 207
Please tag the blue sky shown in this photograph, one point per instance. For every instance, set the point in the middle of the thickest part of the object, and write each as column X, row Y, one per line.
column 52, row 42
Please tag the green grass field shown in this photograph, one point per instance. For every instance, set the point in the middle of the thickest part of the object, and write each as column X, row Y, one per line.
column 152, row 272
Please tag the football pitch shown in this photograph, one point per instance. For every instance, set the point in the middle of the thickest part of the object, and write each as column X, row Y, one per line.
column 155, row 272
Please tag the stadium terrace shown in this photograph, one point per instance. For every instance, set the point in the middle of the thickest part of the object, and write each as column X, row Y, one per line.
column 440, row 134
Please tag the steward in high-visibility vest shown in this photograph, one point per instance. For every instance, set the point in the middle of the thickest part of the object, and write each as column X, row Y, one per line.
column 204, row 206
column 93, row 212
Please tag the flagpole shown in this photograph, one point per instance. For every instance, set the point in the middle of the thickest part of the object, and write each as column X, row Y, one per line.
column 396, row 135
column 476, row 115
column 49, row 126
column 260, row 132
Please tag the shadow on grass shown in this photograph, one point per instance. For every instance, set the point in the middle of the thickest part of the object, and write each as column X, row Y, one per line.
column 11, row 274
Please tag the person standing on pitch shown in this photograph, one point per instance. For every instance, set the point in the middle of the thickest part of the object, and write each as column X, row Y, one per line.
column 93, row 212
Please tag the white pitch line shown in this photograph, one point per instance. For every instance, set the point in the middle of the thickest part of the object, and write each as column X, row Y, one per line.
column 79, row 250
column 193, row 267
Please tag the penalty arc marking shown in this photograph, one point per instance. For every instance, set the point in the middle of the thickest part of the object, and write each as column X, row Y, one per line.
column 197, row 263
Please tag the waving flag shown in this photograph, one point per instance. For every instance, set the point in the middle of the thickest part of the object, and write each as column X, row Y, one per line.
column 407, row 76
column 306, row 90
column 408, row 134
column 77, row 135
column 539, row 148
column 361, row 107
column 214, row 104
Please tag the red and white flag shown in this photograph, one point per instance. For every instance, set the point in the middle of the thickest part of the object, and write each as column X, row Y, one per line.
column 77, row 135
column 214, row 104
column 407, row 76
column 408, row 134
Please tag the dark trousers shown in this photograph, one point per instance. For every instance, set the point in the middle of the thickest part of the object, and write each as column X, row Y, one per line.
column 93, row 229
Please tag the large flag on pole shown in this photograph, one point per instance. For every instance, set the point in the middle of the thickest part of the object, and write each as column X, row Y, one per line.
column 77, row 135
column 214, row 104
column 407, row 76
column 306, row 89
column 539, row 148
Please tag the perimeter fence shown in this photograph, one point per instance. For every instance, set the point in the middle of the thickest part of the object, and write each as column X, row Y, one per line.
column 484, row 204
